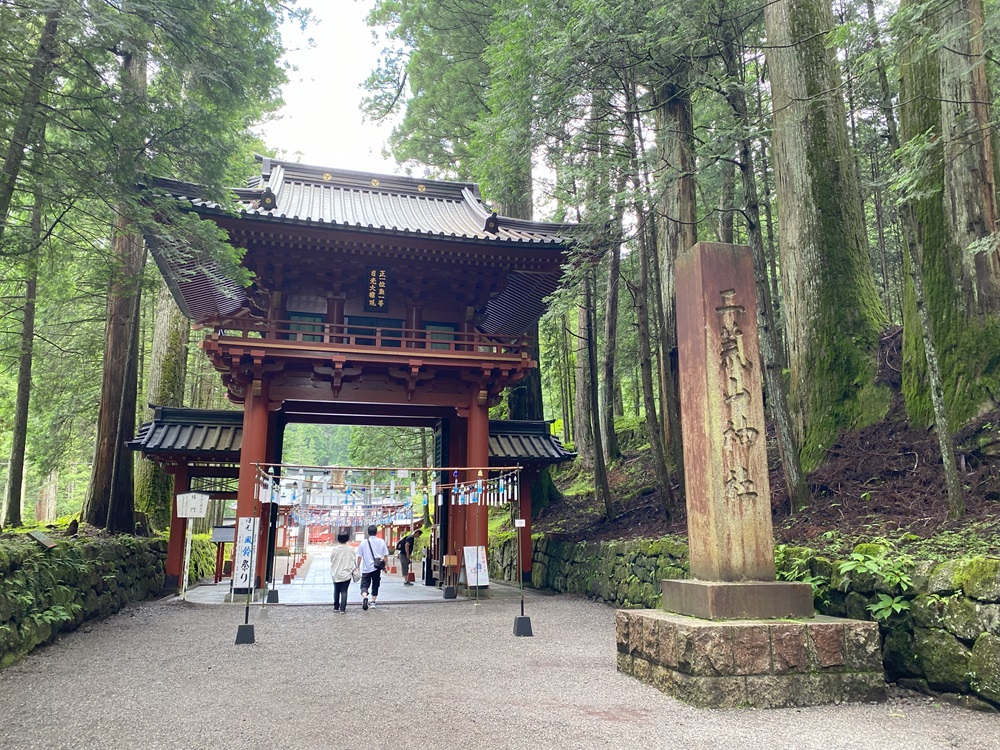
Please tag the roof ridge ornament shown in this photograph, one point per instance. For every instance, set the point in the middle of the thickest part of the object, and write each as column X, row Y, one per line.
column 268, row 201
column 492, row 224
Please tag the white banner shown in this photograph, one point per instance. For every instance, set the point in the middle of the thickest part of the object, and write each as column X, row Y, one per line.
column 244, row 562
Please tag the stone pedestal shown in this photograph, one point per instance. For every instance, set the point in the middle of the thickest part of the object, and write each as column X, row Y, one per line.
column 722, row 600
column 752, row 663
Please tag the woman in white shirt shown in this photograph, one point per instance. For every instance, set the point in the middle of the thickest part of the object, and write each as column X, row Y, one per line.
column 342, row 569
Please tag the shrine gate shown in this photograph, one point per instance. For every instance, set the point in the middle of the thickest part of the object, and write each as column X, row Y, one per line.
column 375, row 299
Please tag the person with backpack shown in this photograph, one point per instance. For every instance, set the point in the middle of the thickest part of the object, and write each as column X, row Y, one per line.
column 372, row 556
column 405, row 549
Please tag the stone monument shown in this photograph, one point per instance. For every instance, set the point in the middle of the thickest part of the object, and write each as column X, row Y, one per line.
column 732, row 635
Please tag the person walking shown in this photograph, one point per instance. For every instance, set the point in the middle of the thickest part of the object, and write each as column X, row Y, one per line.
column 372, row 556
column 343, row 568
column 405, row 549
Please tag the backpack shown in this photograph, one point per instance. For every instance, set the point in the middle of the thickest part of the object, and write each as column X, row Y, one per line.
column 401, row 544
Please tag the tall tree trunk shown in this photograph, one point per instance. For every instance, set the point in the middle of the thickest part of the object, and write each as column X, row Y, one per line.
column 167, row 372
column 601, row 487
column 954, row 210
column 676, row 230
column 966, row 129
column 15, row 469
column 727, row 202
column 583, row 422
column 569, row 419
column 770, row 342
column 832, row 310
column 109, row 500
column 45, row 508
column 677, row 146
column 654, row 433
column 937, row 298
column 612, row 451
column 31, row 104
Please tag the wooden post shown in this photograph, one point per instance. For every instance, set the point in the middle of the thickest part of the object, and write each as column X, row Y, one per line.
column 526, row 480
column 477, row 457
column 253, row 452
column 178, row 530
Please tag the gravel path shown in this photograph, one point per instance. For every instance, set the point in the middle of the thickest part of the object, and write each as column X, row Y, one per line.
column 439, row 675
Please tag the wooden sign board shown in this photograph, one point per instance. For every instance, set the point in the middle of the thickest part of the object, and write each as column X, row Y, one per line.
column 376, row 294
column 42, row 539
column 192, row 505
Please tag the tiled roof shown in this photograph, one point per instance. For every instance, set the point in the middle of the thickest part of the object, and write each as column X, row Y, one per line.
column 197, row 434
column 525, row 442
column 365, row 201
column 208, row 435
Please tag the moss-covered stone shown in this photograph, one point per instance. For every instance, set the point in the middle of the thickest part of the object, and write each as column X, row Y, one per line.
column 944, row 659
column 856, row 606
column 870, row 549
column 927, row 610
column 984, row 666
column 942, row 578
column 921, row 575
column 899, row 655
column 968, row 618
column 979, row 578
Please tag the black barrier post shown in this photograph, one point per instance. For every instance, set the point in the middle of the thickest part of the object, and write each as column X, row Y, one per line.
column 522, row 624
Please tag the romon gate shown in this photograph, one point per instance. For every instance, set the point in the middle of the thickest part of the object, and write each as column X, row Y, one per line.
column 374, row 300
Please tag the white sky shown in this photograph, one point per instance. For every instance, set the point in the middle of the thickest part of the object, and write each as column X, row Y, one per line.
column 321, row 123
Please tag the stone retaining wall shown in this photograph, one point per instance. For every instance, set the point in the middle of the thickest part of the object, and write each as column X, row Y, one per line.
column 945, row 638
column 45, row 592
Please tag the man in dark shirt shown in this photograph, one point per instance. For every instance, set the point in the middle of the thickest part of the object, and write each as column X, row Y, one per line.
column 405, row 548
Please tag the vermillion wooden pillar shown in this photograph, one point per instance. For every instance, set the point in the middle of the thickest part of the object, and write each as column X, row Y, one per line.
column 414, row 322
column 526, row 480
column 335, row 317
column 252, row 452
column 478, row 457
column 178, row 531
column 457, row 440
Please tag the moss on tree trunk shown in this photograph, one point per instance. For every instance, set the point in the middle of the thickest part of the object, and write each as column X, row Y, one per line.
column 953, row 198
column 833, row 313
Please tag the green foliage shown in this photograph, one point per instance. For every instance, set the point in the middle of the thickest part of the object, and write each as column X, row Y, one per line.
column 317, row 445
column 391, row 446
column 886, row 606
column 883, row 562
column 794, row 568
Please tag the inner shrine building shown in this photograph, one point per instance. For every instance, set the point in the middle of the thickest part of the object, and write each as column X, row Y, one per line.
column 374, row 299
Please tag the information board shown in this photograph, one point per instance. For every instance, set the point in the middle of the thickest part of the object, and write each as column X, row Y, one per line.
column 476, row 573
column 192, row 505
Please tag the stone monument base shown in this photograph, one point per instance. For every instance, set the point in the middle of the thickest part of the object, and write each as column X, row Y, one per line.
column 743, row 600
column 752, row 663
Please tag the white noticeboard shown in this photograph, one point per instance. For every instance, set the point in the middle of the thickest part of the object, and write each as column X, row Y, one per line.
column 475, row 571
column 189, row 505
column 244, row 562
column 192, row 505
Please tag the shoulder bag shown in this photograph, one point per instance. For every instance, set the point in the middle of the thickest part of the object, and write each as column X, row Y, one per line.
column 378, row 563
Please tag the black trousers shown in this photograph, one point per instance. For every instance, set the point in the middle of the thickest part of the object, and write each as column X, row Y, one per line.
column 340, row 594
column 371, row 580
